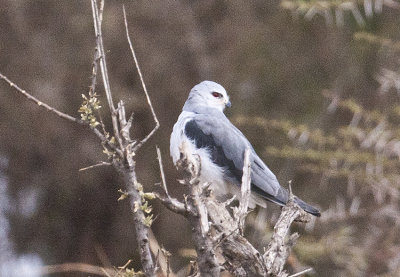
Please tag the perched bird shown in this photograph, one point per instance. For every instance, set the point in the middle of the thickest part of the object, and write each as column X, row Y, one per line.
column 207, row 132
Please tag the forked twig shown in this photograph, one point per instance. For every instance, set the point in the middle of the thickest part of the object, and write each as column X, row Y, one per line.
column 139, row 144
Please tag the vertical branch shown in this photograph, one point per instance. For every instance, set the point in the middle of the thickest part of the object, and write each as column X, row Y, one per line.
column 99, row 37
column 245, row 190
column 278, row 249
column 129, row 177
column 143, row 85
column 160, row 163
column 97, row 20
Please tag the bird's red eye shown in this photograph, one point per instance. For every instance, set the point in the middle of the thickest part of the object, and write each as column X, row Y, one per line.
column 216, row 94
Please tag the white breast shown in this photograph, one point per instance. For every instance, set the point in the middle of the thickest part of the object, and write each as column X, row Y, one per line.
column 210, row 172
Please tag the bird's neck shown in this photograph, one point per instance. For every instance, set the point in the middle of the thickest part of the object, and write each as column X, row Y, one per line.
column 201, row 109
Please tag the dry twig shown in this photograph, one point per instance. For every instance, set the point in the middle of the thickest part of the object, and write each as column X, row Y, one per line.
column 241, row 212
column 220, row 244
column 143, row 85
column 95, row 165
column 77, row 267
column 60, row 114
column 103, row 66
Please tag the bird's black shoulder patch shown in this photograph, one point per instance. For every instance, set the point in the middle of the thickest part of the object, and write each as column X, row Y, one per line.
column 193, row 132
column 202, row 140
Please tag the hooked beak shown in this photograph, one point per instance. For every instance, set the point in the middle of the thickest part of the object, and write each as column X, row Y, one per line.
column 228, row 104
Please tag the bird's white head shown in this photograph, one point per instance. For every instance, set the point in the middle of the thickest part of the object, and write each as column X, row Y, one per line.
column 209, row 94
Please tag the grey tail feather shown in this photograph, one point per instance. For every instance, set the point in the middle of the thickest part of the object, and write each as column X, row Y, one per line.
column 282, row 197
column 308, row 208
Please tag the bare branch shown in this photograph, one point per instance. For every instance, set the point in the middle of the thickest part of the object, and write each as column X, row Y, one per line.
column 124, row 164
column 241, row 212
column 100, row 46
column 96, row 165
column 77, row 267
column 143, row 141
column 302, row 272
column 59, row 113
column 162, row 255
column 92, row 87
column 197, row 200
column 95, row 63
column 124, row 125
column 103, row 66
column 279, row 248
column 160, row 163
column 127, row 172
column 246, row 181
column 171, row 203
column 223, row 232
column 40, row 103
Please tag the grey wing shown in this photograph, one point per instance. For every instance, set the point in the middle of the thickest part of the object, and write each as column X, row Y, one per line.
column 227, row 146
column 265, row 183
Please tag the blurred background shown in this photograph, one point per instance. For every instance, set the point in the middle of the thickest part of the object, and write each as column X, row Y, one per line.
column 315, row 86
